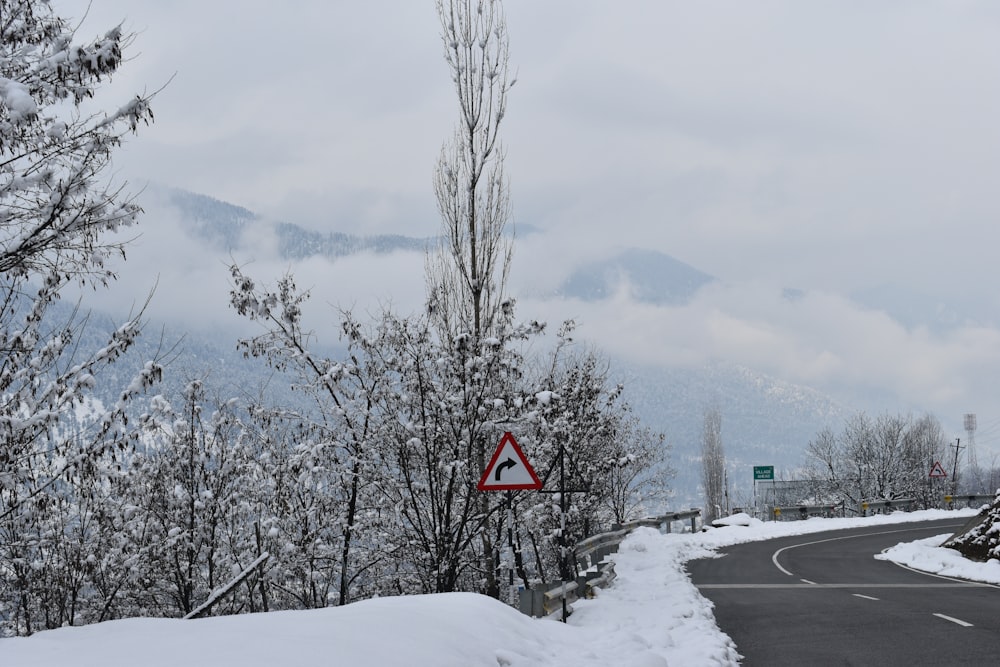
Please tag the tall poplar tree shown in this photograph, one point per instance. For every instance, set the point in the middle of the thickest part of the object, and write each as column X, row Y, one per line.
column 713, row 465
column 467, row 275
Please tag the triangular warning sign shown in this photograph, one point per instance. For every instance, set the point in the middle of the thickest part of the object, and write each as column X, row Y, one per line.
column 509, row 469
column 937, row 471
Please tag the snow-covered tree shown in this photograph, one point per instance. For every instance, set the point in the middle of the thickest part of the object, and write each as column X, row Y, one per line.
column 48, row 554
column 875, row 458
column 385, row 464
column 466, row 276
column 713, row 465
column 637, row 478
column 189, row 480
column 979, row 540
column 57, row 208
column 333, row 446
column 584, row 440
column 428, row 475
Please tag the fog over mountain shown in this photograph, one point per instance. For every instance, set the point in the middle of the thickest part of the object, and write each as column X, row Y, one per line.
column 842, row 200
column 681, row 340
column 652, row 276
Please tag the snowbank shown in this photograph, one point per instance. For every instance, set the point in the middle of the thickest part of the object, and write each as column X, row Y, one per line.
column 651, row 616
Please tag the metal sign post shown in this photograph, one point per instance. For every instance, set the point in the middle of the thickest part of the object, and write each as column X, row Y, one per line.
column 566, row 487
column 512, row 590
column 937, row 472
column 762, row 473
column 509, row 470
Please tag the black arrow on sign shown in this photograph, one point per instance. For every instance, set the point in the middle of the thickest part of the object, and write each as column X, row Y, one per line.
column 509, row 463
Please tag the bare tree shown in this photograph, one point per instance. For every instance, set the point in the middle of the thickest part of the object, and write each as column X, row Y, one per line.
column 883, row 457
column 467, row 275
column 637, row 480
column 713, row 465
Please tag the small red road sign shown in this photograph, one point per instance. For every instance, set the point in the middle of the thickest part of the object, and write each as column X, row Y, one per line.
column 509, row 469
column 937, row 471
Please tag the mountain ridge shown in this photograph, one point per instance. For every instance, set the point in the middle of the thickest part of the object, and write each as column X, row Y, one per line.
column 765, row 420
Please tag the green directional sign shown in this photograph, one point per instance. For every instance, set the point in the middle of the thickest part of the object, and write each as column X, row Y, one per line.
column 763, row 472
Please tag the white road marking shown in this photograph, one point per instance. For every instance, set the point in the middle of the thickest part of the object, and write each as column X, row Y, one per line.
column 774, row 556
column 866, row 597
column 957, row 621
column 810, row 584
column 806, row 581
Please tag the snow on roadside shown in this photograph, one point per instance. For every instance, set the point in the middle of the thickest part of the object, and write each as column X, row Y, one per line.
column 651, row 616
column 652, row 610
column 446, row 630
column 928, row 555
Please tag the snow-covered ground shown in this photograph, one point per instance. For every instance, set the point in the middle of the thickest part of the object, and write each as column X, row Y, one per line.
column 650, row 617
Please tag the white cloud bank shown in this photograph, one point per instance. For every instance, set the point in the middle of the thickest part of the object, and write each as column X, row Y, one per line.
column 822, row 146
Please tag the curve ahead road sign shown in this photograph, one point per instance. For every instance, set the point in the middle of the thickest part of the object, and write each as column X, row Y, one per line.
column 509, row 469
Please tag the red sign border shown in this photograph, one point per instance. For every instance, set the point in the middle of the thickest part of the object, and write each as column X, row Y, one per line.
column 483, row 485
column 936, row 467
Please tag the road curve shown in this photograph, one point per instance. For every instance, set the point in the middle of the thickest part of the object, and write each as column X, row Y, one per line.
column 823, row 599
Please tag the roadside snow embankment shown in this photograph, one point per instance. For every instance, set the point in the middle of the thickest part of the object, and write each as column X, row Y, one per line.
column 928, row 555
column 651, row 616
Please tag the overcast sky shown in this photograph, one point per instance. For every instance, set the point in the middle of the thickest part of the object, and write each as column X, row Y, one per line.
column 825, row 146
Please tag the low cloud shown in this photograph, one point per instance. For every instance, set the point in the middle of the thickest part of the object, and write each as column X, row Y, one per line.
column 815, row 338
column 190, row 279
column 820, row 340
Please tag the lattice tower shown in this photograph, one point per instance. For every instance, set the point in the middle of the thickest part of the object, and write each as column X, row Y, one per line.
column 970, row 443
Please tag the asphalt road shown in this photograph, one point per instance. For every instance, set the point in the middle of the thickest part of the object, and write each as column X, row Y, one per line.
column 822, row 599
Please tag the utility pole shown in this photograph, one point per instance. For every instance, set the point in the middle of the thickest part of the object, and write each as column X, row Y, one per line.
column 728, row 508
column 954, row 468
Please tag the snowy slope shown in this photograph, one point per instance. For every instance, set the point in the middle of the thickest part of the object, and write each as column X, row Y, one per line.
column 651, row 616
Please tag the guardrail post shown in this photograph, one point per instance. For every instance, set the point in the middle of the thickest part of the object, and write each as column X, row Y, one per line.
column 597, row 555
column 530, row 602
column 588, row 554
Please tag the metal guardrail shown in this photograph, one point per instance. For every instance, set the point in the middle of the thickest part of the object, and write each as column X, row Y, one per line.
column 973, row 500
column 804, row 511
column 591, row 555
column 867, row 507
column 871, row 507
